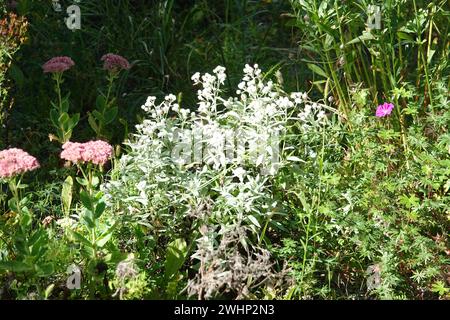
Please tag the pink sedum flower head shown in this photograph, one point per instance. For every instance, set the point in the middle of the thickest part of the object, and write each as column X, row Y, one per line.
column 16, row 161
column 384, row 110
column 114, row 62
column 96, row 152
column 58, row 64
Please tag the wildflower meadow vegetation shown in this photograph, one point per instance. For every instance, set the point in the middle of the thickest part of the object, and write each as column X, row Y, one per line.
column 264, row 149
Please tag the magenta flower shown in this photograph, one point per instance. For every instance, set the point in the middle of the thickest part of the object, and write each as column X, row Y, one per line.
column 16, row 161
column 96, row 152
column 384, row 109
column 114, row 62
column 58, row 64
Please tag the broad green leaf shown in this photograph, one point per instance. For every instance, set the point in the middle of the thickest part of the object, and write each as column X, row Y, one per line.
column 316, row 69
column 98, row 116
column 81, row 239
column 88, row 220
column 63, row 118
column 13, row 205
column 81, row 181
column 65, row 105
column 92, row 123
column 38, row 249
column 100, row 103
column 111, row 115
column 405, row 36
column 175, row 256
column 98, row 195
column 36, row 236
column 15, row 266
column 99, row 209
column 366, row 36
column 44, row 269
column 86, row 200
column 171, row 289
column 88, row 252
column 26, row 219
column 54, row 115
column 328, row 42
column 95, row 181
column 102, row 240
column 66, row 194
column 302, row 198
column 21, row 246
column 73, row 121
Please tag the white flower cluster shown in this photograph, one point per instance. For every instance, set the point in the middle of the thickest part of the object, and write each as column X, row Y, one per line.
column 311, row 114
column 161, row 111
column 230, row 145
column 248, row 129
column 208, row 95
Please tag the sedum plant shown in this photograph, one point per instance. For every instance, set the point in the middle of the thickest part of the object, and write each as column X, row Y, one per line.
column 23, row 247
column 59, row 116
column 106, row 108
column 89, row 229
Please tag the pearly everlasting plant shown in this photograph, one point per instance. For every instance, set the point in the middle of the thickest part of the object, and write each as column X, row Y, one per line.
column 212, row 169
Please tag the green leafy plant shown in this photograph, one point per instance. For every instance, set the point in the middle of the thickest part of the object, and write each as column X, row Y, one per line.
column 92, row 233
column 106, row 108
column 13, row 30
column 59, row 116
column 26, row 246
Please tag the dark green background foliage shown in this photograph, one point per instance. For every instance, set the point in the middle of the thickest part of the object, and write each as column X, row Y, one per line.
column 373, row 201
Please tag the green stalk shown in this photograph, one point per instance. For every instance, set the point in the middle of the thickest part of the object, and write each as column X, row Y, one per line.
column 305, row 251
column 421, row 55
column 111, row 78
column 340, row 92
column 366, row 69
column 58, row 90
column 402, row 133
column 14, row 187
column 341, row 38
column 430, row 32
column 400, row 51
column 263, row 232
column 315, row 203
